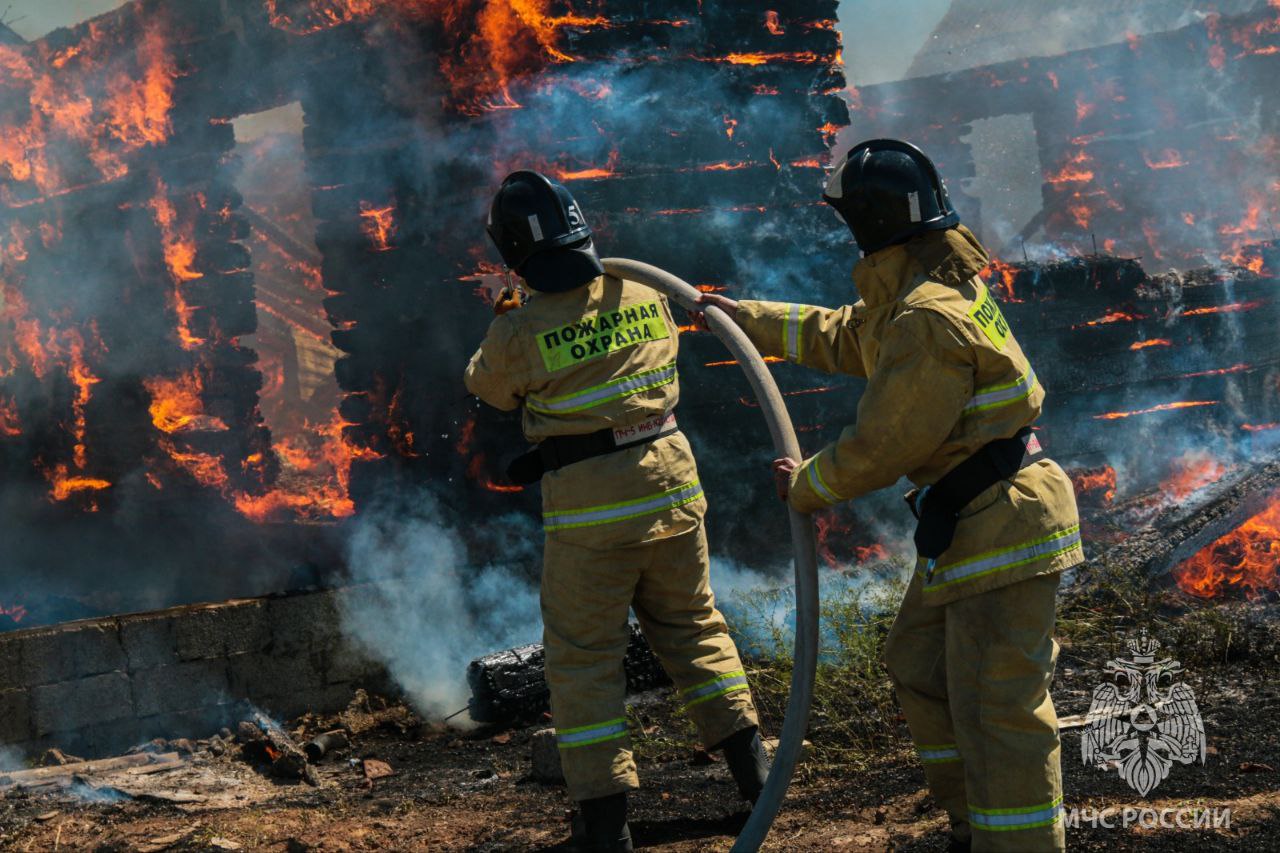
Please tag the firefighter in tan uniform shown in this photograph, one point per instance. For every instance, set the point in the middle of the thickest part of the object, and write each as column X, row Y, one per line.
column 949, row 402
column 592, row 360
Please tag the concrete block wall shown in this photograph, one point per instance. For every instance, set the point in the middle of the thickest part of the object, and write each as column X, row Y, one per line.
column 96, row 687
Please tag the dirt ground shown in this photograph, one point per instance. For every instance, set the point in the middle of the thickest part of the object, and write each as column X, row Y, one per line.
column 473, row 791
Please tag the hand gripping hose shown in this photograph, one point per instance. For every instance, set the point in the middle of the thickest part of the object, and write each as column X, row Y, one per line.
column 802, row 539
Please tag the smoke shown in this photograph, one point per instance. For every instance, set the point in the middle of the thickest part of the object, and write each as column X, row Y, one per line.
column 423, row 611
column 11, row 759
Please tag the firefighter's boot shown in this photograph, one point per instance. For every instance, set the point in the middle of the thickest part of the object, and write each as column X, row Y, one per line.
column 748, row 762
column 602, row 826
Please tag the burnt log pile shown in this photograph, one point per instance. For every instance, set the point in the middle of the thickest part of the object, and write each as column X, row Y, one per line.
column 510, row 687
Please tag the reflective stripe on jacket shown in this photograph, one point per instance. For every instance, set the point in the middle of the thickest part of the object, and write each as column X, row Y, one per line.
column 945, row 376
column 602, row 356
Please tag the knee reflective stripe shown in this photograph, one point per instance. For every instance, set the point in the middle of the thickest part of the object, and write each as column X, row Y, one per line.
column 730, row 682
column 1007, row 558
column 606, row 393
column 592, row 516
column 996, row 396
column 819, row 485
column 938, row 753
column 791, row 332
column 595, row 733
column 1006, row 820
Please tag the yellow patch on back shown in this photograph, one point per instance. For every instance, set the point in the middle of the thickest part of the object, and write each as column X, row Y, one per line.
column 986, row 313
column 597, row 335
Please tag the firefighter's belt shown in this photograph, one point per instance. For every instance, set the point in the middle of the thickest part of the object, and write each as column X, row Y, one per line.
column 560, row 451
column 938, row 507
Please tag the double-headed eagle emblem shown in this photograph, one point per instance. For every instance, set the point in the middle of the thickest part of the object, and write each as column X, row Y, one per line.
column 1142, row 720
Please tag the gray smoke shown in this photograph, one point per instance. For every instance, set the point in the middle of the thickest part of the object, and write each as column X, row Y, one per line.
column 423, row 611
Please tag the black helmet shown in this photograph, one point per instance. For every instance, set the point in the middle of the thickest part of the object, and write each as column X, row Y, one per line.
column 887, row 191
column 541, row 233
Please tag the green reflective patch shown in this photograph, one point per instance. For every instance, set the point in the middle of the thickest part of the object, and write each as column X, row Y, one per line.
column 986, row 313
column 597, row 335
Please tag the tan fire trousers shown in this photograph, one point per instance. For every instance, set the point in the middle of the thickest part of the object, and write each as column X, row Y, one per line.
column 973, row 681
column 586, row 595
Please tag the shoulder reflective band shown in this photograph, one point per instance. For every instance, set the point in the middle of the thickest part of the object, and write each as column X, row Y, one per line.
column 597, row 335
column 730, row 682
column 938, row 753
column 995, row 396
column 819, row 485
column 594, row 733
column 1007, row 558
column 592, row 516
column 986, row 313
column 1004, row 820
column 792, row 332
column 598, row 395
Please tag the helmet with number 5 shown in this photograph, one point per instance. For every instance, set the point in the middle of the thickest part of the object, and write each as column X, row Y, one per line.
column 541, row 233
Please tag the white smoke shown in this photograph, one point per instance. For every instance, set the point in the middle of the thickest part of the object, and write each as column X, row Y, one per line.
column 425, row 613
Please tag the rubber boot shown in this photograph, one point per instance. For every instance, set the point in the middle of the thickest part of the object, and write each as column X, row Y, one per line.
column 603, row 826
column 747, row 760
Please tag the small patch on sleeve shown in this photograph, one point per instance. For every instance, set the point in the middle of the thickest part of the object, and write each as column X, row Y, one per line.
column 986, row 313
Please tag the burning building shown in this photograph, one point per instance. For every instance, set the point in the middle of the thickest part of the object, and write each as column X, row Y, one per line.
column 219, row 346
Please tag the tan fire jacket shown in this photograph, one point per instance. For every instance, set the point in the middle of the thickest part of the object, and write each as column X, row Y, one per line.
column 601, row 356
column 945, row 377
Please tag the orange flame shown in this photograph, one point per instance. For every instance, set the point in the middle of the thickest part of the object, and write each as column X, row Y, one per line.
column 1153, row 342
column 1111, row 317
column 1095, row 479
column 179, row 248
column 806, row 57
column 106, row 114
column 1244, row 561
column 379, row 225
column 64, row 485
column 1163, row 407
column 1231, row 308
column 1076, row 169
column 1193, row 471
column 1001, row 276
column 772, row 24
column 10, row 425
column 176, row 404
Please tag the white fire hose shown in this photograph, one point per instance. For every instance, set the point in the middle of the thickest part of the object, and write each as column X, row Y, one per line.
column 802, row 540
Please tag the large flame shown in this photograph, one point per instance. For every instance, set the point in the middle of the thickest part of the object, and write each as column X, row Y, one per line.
column 1244, row 562
column 104, row 98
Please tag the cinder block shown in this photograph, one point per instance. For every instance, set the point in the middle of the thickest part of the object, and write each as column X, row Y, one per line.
column 261, row 677
column 11, row 661
column 324, row 700
column 81, row 704
column 301, row 624
column 148, row 641
column 71, row 653
column 15, row 716
column 194, row 723
column 216, row 631
column 182, row 687
column 346, row 664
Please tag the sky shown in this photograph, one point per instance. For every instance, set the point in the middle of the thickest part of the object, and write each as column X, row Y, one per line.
column 880, row 36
